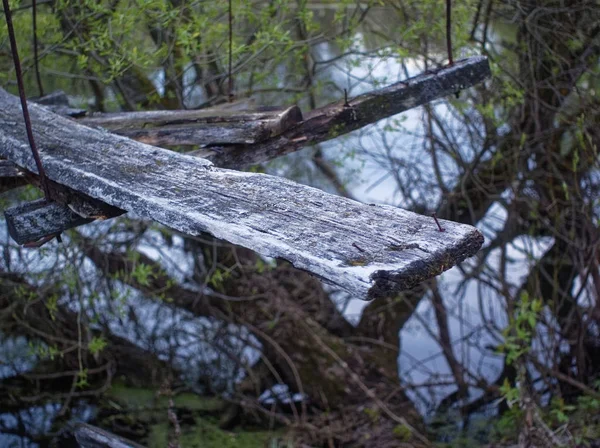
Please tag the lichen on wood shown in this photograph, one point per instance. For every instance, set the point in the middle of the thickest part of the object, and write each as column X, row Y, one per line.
column 276, row 217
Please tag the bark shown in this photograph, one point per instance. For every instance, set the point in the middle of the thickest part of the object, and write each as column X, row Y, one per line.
column 24, row 312
column 299, row 343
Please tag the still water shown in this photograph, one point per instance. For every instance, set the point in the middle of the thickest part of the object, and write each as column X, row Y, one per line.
column 370, row 161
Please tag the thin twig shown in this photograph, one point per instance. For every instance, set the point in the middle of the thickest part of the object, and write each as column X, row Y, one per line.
column 23, row 7
column 19, row 74
column 357, row 247
column 365, row 389
column 488, row 14
column 476, row 20
column 36, row 61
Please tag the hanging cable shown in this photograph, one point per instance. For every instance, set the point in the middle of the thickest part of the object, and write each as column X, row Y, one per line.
column 19, row 75
column 36, row 61
column 449, row 31
column 230, row 79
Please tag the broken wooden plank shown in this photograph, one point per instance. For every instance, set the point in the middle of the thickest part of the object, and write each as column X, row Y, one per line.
column 58, row 102
column 199, row 127
column 56, row 98
column 368, row 250
column 84, row 435
column 36, row 220
column 24, row 221
column 320, row 124
column 338, row 118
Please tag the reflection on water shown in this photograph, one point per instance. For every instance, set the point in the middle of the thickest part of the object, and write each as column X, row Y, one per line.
column 16, row 356
column 21, row 428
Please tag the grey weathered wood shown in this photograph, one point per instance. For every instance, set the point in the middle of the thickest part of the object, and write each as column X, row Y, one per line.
column 322, row 124
column 368, row 250
column 11, row 176
column 58, row 102
column 198, row 127
column 34, row 220
column 336, row 119
column 9, row 170
column 88, row 436
column 56, row 98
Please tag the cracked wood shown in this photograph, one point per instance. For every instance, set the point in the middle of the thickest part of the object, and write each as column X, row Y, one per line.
column 335, row 119
column 198, row 127
column 315, row 231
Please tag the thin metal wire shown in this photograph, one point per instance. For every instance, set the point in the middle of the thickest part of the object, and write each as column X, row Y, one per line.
column 449, row 31
column 19, row 74
column 36, row 61
column 230, row 79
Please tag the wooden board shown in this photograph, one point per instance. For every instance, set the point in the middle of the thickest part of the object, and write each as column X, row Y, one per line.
column 322, row 124
column 25, row 220
column 368, row 250
column 335, row 119
column 198, row 127
column 58, row 102
column 88, row 436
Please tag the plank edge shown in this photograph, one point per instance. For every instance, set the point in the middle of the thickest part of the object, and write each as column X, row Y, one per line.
column 387, row 283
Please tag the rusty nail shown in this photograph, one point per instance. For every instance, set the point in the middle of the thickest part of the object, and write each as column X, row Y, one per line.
column 438, row 223
column 356, row 245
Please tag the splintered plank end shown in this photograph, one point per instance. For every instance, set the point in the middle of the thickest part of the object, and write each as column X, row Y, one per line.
column 88, row 436
column 199, row 127
column 371, row 251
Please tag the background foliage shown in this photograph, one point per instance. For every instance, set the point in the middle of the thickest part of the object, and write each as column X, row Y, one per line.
column 503, row 349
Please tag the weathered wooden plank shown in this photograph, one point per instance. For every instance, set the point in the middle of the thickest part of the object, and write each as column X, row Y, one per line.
column 338, row 118
column 11, row 176
column 199, row 127
column 89, row 436
column 58, row 102
column 34, row 220
column 368, row 250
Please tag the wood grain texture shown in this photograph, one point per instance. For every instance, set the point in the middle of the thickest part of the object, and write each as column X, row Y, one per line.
column 368, row 250
column 34, row 220
column 88, row 436
column 198, row 127
column 337, row 119
column 58, row 102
